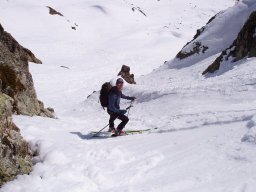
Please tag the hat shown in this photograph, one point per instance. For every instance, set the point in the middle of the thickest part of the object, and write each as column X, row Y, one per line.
column 119, row 81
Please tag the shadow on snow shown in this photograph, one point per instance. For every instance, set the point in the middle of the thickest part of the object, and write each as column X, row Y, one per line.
column 90, row 136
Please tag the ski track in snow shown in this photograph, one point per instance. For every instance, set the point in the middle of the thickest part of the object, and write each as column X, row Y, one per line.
column 205, row 139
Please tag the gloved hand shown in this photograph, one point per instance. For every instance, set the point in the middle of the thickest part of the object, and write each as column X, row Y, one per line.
column 133, row 98
column 122, row 112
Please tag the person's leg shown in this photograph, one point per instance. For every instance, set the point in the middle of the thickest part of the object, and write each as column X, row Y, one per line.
column 124, row 120
column 112, row 118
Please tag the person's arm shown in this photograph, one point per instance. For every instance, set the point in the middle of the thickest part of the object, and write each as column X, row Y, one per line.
column 127, row 97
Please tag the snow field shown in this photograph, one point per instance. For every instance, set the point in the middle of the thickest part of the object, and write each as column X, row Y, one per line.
column 201, row 121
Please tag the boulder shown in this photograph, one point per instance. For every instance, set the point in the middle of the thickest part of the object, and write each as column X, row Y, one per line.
column 125, row 74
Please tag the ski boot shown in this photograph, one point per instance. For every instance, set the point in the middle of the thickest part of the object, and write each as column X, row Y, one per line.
column 111, row 129
column 119, row 132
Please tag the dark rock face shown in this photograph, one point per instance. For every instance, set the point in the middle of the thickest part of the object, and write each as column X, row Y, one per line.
column 214, row 66
column 125, row 74
column 244, row 46
column 15, row 154
column 53, row 11
column 16, row 81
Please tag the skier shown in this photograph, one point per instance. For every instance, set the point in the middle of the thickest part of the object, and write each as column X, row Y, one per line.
column 114, row 110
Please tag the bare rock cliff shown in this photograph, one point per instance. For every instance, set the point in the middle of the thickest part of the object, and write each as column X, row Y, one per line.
column 15, row 79
column 15, row 154
column 17, row 95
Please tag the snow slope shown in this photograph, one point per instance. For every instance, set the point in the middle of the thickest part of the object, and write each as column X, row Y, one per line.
column 200, row 144
column 102, row 40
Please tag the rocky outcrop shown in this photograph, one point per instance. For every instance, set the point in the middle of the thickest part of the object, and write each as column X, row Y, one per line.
column 17, row 95
column 54, row 12
column 125, row 74
column 197, row 47
column 244, row 46
column 15, row 154
column 16, row 81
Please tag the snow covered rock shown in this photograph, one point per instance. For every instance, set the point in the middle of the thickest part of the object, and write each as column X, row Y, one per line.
column 15, row 77
column 197, row 46
column 244, row 46
column 15, row 154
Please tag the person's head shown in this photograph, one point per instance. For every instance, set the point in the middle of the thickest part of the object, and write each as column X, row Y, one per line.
column 119, row 84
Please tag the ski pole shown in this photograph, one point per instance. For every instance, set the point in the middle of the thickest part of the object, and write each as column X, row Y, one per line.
column 129, row 108
column 100, row 131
